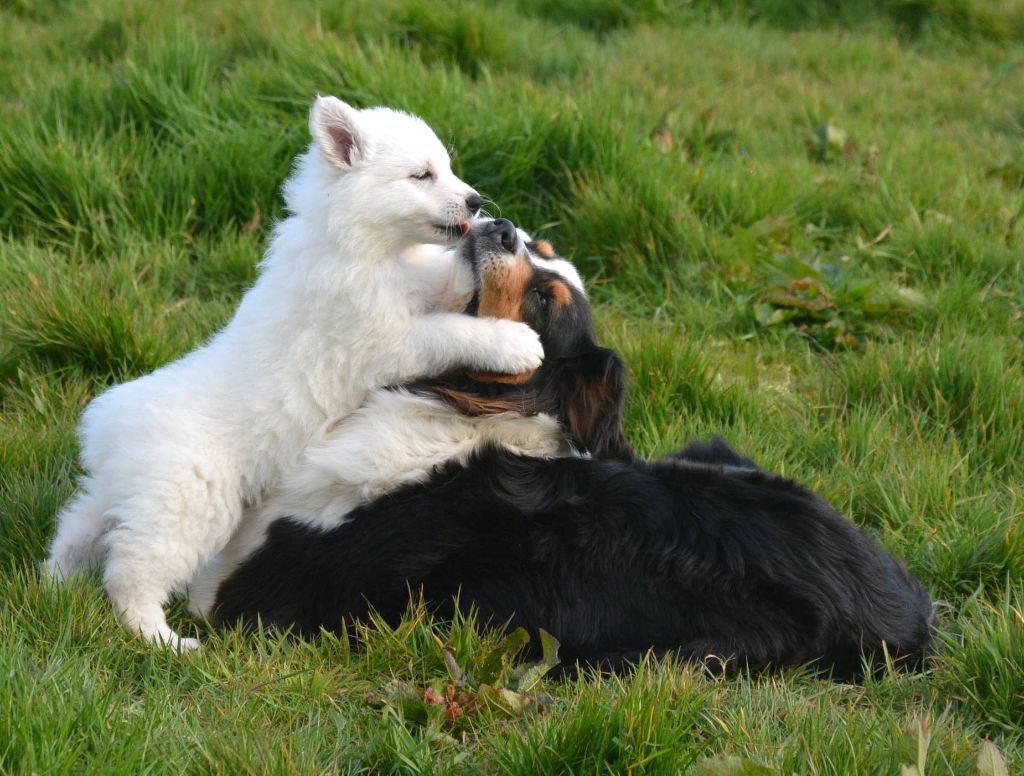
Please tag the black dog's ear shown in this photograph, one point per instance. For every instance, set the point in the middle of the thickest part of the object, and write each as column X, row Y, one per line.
column 592, row 401
column 714, row 451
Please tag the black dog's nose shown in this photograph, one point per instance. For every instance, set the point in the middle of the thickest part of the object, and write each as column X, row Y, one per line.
column 474, row 202
column 504, row 231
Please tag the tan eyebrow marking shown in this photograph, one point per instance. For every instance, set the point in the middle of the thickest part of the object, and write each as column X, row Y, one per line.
column 560, row 293
column 545, row 249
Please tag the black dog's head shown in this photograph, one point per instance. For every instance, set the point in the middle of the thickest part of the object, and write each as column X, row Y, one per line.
column 580, row 383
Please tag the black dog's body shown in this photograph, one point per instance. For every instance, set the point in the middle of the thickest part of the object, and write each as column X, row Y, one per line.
column 699, row 553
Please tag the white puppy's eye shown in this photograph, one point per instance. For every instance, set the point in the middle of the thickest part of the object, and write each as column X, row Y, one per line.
column 426, row 175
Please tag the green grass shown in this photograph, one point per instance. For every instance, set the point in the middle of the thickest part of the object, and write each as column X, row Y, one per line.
column 802, row 224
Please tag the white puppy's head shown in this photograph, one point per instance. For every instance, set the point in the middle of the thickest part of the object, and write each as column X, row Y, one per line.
column 388, row 173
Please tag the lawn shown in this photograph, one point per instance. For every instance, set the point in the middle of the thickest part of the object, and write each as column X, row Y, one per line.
column 802, row 224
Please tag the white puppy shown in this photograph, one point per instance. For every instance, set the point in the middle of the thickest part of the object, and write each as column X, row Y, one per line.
column 399, row 436
column 344, row 303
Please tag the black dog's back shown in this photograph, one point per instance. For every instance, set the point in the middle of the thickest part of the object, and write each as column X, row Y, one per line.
column 812, row 580
column 695, row 554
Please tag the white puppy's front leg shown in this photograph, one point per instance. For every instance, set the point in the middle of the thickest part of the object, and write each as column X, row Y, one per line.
column 440, row 342
column 439, row 276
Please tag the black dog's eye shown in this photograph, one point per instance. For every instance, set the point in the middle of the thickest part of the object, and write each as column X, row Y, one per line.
column 426, row 175
column 542, row 298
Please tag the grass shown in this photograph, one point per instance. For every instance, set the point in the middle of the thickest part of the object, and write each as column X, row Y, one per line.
column 802, row 224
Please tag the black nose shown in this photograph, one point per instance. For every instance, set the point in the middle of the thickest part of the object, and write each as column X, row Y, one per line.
column 474, row 202
column 504, row 231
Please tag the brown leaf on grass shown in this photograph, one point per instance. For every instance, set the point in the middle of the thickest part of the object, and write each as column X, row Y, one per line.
column 990, row 761
column 509, row 690
column 432, row 697
column 453, row 712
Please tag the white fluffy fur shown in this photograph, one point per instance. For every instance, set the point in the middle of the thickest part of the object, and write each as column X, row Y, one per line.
column 344, row 303
column 396, row 438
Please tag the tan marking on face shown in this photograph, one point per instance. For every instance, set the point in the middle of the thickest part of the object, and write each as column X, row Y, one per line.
column 560, row 293
column 504, row 287
column 545, row 249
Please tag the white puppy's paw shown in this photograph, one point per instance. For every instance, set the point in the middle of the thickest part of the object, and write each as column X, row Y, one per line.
column 515, row 349
column 186, row 644
column 179, row 644
column 165, row 637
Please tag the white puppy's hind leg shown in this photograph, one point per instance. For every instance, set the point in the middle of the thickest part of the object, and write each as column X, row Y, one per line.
column 202, row 590
column 158, row 546
column 80, row 526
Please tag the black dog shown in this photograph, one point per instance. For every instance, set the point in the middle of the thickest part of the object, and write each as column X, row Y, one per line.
column 700, row 553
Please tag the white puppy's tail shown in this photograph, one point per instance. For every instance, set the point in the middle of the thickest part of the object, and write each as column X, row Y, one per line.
column 77, row 545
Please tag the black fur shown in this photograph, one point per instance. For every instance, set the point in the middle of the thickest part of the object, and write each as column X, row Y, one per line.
column 700, row 553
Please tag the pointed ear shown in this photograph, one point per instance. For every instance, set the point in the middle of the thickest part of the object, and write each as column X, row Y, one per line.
column 592, row 403
column 335, row 127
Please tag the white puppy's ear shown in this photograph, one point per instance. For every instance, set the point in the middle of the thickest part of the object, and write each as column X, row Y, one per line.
column 335, row 127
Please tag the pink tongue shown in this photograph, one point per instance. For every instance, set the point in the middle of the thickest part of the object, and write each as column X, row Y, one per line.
column 464, row 226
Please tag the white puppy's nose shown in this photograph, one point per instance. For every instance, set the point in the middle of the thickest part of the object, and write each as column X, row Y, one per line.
column 474, row 202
